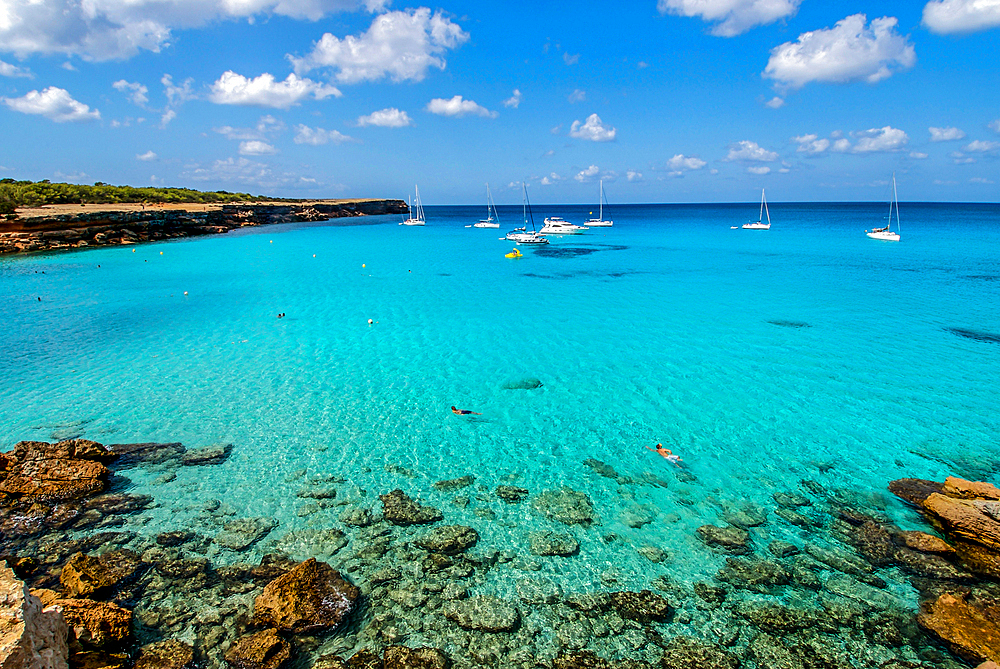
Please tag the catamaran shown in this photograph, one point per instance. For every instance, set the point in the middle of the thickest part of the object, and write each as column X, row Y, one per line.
column 599, row 222
column 521, row 235
column 885, row 233
column 760, row 224
column 491, row 220
column 416, row 211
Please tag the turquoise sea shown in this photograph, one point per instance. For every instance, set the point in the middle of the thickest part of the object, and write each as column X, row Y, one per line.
column 762, row 358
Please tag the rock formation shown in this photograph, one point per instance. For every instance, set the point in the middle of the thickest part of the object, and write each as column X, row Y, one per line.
column 311, row 597
column 30, row 637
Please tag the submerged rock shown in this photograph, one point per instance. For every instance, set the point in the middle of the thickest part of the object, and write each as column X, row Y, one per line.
column 401, row 657
column 357, row 517
column 644, row 607
column 399, row 509
column 456, row 484
column 211, row 455
column 756, row 575
column 263, row 650
column 527, row 383
column 732, row 539
column 317, row 543
column 239, row 535
column 483, row 613
column 684, row 652
column 782, row 549
column 169, row 654
column 131, row 455
column 311, row 597
column 791, row 499
column 553, row 544
column 448, row 539
column 566, row 506
column 511, row 494
column 778, row 618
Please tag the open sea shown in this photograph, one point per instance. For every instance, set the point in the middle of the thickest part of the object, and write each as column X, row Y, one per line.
column 762, row 358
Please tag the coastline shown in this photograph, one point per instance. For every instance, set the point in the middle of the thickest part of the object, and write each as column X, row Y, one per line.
column 67, row 226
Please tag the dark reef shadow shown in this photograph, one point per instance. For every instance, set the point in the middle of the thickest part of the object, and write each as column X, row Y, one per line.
column 976, row 335
column 790, row 324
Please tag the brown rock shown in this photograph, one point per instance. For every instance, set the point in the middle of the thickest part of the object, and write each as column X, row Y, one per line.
column 96, row 625
column 978, row 559
column 988, row 665
column 98, row 659
column 86, row 576
column 364, row 659
column 401, row 657
column 969, row 631
column 399, row 509
column 263, row 650
column 923, row 542
column 37, row 470
column 168, row 654
column 962, row 489
column 309, row 598
column 30, row 637
column 963, row 519
column 914, row 491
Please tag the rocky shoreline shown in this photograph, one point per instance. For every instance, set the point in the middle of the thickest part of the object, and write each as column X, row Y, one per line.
column 396, row 585
column 97, row 226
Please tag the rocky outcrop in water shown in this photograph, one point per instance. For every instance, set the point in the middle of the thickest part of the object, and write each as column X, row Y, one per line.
column 101, row 228
column 311, row 597
column 30, row 637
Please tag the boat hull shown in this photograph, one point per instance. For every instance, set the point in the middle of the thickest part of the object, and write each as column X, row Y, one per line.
column 599, row 224
column 757, row 226
column 484, row 224
column 884, row 236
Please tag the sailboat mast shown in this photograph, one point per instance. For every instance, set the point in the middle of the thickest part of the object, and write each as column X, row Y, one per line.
column 601, row 216
column 895, row 198
column 760, row 216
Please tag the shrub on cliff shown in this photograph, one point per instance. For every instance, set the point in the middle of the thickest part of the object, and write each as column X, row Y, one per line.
column 15, row 194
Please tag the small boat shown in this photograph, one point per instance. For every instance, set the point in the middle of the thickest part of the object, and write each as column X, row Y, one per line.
column 490, row 221
column 599, row 222
column 557, row 226
column 885, row 234
column 760, row 224
column 521, row 235
column 514, row 254
column 416, row 211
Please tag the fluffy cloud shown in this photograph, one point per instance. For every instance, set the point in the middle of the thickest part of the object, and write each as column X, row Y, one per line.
column 849, row 51
column 146, row 157
column 456, row 106
column 960, row 158
column 775, row 103
column 917, row 155
column 402, row 45
column 245, row 172
column 995, row 126
column 733, row 17
column 980, row 146
column 577, row 96
column 267, row 125
column 632, row 175
column 118, row 29
column 593, row 130
column 386, row 118
column 256, row 147
column 680, row 164
column 811, row 145
column 514, row 100
column 571, row 59
column 52, row 103
column 880, row 140
column 946, row 134
column 961, row 16
column 318, row 136
column 8, row 70
column 551, row 179
column 588, row 174
column 264, row 91
column 750, row 152
column 136, row 92
column 980, row 180
column 759, row 169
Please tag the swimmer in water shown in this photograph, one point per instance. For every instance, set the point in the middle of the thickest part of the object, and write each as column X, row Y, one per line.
column 465, row 412
column 666, row 453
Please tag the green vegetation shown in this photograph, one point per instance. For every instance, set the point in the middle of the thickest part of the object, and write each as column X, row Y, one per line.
column 15, row 194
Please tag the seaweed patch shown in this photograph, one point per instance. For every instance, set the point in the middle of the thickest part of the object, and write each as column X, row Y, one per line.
column 976, row 335
column 790, row 324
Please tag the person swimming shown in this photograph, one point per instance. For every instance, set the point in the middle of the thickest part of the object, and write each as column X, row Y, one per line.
column 666, row 453
column 464, row 412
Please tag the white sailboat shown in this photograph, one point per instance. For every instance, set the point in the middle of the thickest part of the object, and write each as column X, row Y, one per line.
column 599, row 222
column 885, row 233
column 490, row 221
column 760, row 224
column 416, row 211
column 521, row 235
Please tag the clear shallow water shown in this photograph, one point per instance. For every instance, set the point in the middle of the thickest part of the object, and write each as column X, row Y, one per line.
column 763, row 358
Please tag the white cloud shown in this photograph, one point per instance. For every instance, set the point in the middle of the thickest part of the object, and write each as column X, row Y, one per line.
column 980, row 180
column 514, row 100
column 750, row 151
column 961, row 16
column 759, row 169
column 632, row 175
column 8, row 70
column 588, row 174
column 842, row 145
column 917, row 155
column 255, row 147
column 945, row 134
column 577, row 96
column 242, row 171
column 775, row 103
column 642, row 65
column 849, row 51
column 138, row 91
column 551, row 179
column 168, row 116
column 146, row 157
column 118, row 29
column 734, row 17
column 593, row 130
column 318, row 136
column 177, row 95
column 389, row 117
column 880, row 140
column 680, row 164
column 556, row 130
column 456, row 106
column 995, row 126
column 52, row 103
column 980, row 146
column 264, row 91
column 811, row 145
column 960, row 158
column 571, row 59
column 401, row 44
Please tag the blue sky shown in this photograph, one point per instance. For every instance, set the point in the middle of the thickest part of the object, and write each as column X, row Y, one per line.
column 665, row 100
